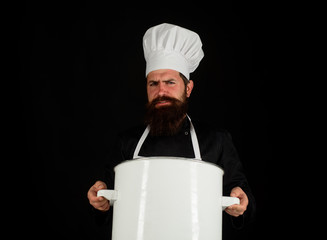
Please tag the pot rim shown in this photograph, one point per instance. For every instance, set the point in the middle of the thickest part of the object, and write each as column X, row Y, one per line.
column 170, row 158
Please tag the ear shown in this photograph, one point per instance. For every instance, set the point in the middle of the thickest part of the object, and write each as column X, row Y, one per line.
column 189, row 88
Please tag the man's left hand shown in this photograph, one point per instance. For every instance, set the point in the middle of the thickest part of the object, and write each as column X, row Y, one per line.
column 238, row 209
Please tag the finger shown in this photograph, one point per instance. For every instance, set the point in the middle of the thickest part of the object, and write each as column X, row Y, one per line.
column 93, row 198
column 95, row 188
column 244, row 203
column 97, row 200
column 104, row 207
column 232, row 212
column 233, row 194
column 237, row 192
column 91, row 194
column 100, row 185
column 236, row 209
column 100, row 204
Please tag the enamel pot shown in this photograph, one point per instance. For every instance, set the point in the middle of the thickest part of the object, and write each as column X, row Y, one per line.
column 165, row 198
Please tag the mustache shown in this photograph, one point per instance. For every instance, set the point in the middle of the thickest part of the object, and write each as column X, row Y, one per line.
column 163, row 98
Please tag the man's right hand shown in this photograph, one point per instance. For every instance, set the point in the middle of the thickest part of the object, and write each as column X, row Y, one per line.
column 99, row 203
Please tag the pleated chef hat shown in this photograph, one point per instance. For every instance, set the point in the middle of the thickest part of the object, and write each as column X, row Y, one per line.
column 168, row 46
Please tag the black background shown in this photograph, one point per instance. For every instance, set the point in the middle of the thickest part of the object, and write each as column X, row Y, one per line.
column 82, row 81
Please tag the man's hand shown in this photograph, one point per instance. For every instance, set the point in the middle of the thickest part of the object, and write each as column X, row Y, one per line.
column 99, row 203
column 238, row 209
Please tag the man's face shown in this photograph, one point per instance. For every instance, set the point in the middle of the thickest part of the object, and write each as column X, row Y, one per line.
column 167, row 83
column 167, row 105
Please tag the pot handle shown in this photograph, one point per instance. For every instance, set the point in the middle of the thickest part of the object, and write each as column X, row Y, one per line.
column 110, row 195
column 228, row 201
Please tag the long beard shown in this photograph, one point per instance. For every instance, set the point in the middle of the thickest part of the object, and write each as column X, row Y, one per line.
column 165, row 120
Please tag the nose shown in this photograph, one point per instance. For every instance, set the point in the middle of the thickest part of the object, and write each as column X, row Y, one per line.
column 162, row 89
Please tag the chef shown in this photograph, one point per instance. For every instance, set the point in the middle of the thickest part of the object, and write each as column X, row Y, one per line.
column 172, row 53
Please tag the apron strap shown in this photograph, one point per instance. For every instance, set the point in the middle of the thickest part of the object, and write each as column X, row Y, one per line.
column 140, row 143
column 195, row 143
column 194, row 139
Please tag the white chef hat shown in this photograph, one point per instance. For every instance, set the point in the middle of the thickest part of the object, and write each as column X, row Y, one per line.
column 168, row 46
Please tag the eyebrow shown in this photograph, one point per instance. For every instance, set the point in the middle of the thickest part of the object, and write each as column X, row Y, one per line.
column 168, row 80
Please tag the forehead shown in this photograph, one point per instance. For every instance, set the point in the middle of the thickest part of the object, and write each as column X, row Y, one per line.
column 163, row 74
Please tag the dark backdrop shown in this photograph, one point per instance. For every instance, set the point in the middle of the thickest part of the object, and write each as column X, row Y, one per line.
column 82, row 81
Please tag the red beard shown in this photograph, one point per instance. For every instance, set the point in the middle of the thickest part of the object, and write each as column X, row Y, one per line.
column 165, row 120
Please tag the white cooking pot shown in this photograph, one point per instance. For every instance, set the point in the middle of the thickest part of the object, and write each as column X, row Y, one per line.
column 166, row 198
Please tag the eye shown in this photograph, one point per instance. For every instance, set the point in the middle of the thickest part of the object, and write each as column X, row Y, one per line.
column 171, row 82
column 153, row 84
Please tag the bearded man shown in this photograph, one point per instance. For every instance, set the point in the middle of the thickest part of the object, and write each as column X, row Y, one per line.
column 172, row 53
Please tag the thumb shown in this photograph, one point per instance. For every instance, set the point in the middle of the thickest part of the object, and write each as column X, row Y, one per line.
column 236, row 192
column 233, row 194
column 100, row 185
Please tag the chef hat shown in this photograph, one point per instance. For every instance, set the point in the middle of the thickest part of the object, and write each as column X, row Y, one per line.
column 168, row 46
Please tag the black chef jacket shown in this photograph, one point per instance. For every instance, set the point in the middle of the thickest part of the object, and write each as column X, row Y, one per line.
column 215, row 146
